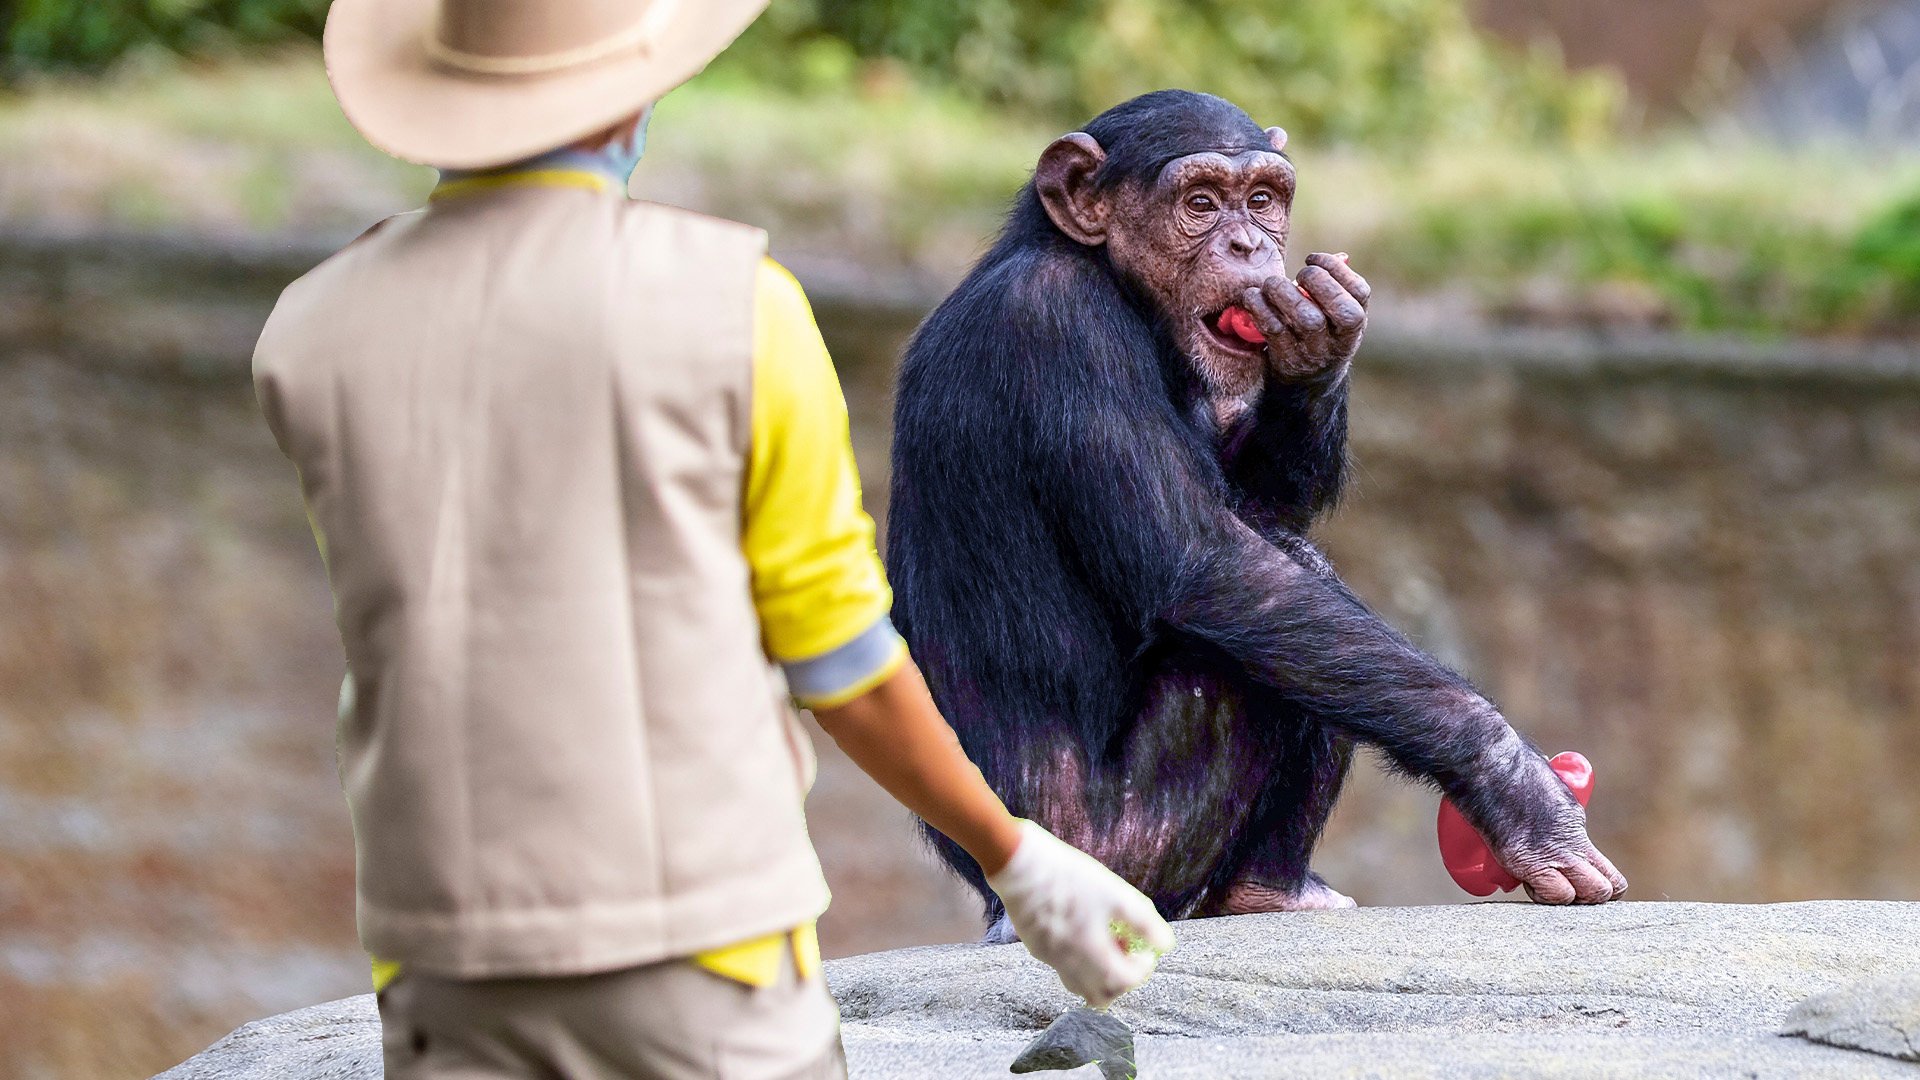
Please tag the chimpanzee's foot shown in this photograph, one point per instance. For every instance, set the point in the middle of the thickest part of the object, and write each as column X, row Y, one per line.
column 1000, row 933
column 1314, row 894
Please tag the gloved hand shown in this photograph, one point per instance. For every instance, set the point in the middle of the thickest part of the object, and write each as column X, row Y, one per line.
column 1064, row 904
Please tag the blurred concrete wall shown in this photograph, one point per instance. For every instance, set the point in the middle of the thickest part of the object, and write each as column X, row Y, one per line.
column 1699, row 564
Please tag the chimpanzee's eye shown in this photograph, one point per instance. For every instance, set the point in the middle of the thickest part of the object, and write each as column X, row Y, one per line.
column 1200, row 204
column 1260, row 200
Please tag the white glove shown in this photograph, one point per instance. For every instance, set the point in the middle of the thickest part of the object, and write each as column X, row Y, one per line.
column 1063, row 903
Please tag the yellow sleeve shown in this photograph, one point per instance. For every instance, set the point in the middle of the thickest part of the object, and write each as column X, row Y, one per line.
column 818, row 584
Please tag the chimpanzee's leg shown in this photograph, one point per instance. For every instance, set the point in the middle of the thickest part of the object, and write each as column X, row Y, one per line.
column 1270, row 871
column 1193, row 771
column 1167, row 804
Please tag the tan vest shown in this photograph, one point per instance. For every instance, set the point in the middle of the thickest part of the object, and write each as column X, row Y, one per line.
column 520, row 421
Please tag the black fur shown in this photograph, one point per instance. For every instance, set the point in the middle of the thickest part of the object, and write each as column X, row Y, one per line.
column 1112, row 598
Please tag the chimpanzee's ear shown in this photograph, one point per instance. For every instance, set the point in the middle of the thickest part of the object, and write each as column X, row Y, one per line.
column 1278, row 137
column 1064, row 181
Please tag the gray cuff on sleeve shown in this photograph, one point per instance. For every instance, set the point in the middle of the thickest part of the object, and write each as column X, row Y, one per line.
column 830, row 676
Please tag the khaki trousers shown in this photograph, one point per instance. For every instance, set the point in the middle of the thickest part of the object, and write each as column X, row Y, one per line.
column 665, row 1021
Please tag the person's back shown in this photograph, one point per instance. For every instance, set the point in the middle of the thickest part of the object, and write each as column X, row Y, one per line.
column 580, row 472
column 526, row 450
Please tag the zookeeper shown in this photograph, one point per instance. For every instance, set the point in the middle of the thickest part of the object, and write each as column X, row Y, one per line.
column 580, row 474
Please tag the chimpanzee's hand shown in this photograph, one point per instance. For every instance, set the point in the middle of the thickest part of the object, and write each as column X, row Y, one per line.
column 1538, row 832
column 1312, row 323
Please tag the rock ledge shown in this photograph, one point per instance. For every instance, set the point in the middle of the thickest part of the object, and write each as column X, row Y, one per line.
column 1484, row 990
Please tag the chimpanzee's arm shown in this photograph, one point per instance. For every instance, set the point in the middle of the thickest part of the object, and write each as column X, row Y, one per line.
column 1145, row 514
column 1286, row 457
column 1302, row 633
column 1141, row 508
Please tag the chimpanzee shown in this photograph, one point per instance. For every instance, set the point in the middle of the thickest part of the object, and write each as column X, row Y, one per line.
column 1097, row 538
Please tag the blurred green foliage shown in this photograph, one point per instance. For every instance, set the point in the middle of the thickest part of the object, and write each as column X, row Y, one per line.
column 1404, row 71
column 91, row 35
column 1880, row 278
column 1396, row 70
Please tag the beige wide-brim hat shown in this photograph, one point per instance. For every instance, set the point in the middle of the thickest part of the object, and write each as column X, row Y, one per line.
column 471, row 84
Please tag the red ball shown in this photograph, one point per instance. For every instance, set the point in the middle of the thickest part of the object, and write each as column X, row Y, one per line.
column 1238, row 321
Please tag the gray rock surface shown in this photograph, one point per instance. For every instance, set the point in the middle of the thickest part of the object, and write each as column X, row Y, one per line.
column 1879, row 1014
column 339, row 1040
column 1629, row 990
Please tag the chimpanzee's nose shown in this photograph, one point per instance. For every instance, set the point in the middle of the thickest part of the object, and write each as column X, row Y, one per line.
column 1244, row 240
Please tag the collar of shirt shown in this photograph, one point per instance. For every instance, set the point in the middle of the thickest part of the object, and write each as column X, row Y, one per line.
column 561, row 168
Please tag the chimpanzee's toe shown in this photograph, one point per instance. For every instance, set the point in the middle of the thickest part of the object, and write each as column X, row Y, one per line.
column 1313, row 894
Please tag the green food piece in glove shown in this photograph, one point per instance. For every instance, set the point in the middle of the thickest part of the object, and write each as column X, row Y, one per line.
column 1134, row 941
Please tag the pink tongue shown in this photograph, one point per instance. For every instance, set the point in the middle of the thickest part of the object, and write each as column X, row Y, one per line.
column 1239, row 322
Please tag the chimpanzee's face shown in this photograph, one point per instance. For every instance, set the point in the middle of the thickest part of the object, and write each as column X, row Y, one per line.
column 1195, row 239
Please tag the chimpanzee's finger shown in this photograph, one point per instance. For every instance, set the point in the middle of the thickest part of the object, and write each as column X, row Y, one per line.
column 1355, row 285
column 1303, row 316
column 1343, row 311
column 1265, row 318
column 1590, row 886
column 1605, row 866
column 1550, row 886
column 1291, row 353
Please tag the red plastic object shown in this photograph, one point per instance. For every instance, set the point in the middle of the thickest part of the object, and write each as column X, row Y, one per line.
column 1466, row 855
column 1238, row 321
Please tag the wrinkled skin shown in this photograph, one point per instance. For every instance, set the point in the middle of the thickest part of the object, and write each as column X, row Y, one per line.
column 1200, row 757
column 1210, row 232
